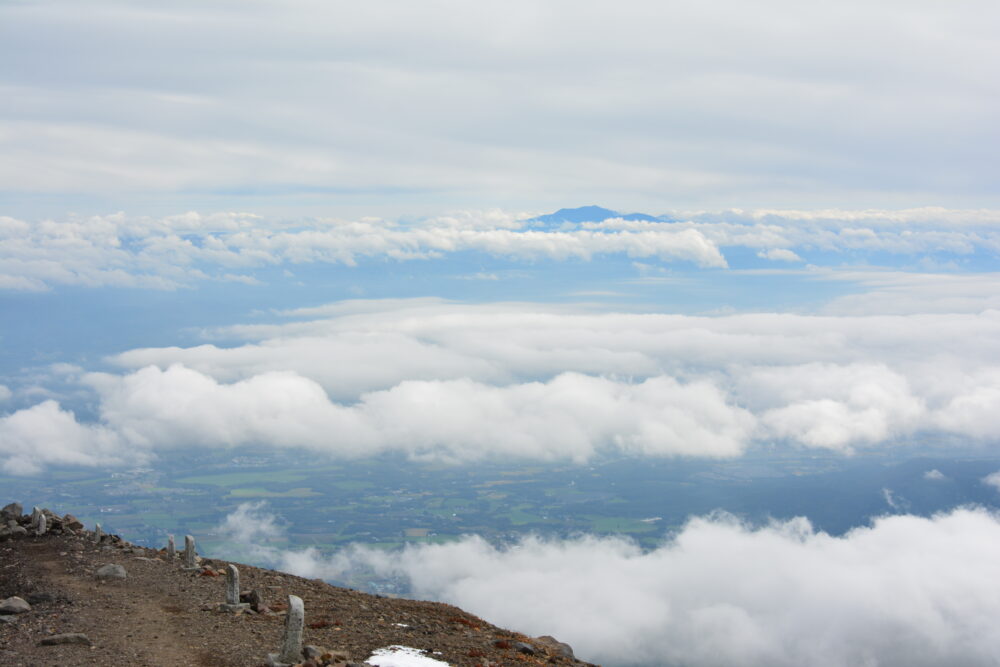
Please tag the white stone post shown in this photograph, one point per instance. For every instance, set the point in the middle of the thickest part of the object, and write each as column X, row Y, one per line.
column 291, row 643
column 190, row 557
column 233, row 591
column 98, row 533
column 171, row 548
column 42, row 525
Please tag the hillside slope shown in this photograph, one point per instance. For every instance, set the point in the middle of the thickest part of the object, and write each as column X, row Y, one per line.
column 162, row 614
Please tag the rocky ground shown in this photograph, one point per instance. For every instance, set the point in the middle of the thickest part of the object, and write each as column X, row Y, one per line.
column 162, row 614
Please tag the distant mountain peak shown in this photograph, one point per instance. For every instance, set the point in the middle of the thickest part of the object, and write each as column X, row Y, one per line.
column 592, row 213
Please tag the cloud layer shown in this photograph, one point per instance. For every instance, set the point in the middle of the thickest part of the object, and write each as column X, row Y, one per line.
column 183, row 250
column 458, row 382
column 513, row 102
column 906, row 591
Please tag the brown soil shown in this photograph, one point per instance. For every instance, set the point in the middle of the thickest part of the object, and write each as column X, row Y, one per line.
column 164, row 615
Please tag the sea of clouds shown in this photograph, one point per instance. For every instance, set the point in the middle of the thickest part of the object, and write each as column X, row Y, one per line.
column 904, row 591
column 460, row 382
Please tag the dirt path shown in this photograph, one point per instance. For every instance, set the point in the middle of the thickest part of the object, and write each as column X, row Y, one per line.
column 144, row 620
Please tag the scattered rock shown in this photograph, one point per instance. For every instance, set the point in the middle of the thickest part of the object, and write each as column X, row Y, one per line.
column 522, row 647
column 556, row 647
column 67, row 638
column 14, row 605
column 70, row 521
column 253, row 598
column 12, row 512
column 111, row 571
column 38, row 598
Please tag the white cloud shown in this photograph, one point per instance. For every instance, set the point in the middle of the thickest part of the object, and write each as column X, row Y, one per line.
column 5, row 393
column 900, row 293
column 779, row 255
column 572, row 416
column 44, row 434
column 993, row 479
column 180, row 250
column 690, row 122
column 906, row 591
column 465, row 382
column 836, row 406
column 935, row 475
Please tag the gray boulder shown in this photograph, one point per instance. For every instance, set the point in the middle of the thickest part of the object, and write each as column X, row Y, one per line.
column 111, row 571
column 12, row 512
column 555, row 647
column 14, row 605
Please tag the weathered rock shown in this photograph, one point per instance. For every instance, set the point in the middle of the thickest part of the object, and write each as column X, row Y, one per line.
column 70, row 521
column 556, row 647
column 14, row 605
column 312, row 652
column 66, row 638
column 111, row 571
column 12, row 512
column 253, row 598
column 522, row 647
column 18, row 530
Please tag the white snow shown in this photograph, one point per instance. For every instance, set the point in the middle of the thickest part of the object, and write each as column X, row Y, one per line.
column 402, row 656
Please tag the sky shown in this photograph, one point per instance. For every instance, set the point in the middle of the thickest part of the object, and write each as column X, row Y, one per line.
column 392, row 109
column 326, row 227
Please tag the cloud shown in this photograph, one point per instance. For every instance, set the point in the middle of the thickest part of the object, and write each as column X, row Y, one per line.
column 176, row 251
column 186, row 250
column 458, row 382
column 935, row 475
column 993, row 479
column 42, row 435
column 904, row 591
column 836, row 406
column 779, row 255
column 250, row 524
column 5, row 393
column 898, row 293
column 699, row 125
column 572, row 416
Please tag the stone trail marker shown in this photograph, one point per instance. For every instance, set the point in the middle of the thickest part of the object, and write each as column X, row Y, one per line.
column 232, row 602
column 171, row 548
column 291, row 643
column 42, row 525
column 98, row 533
column 190, row 557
